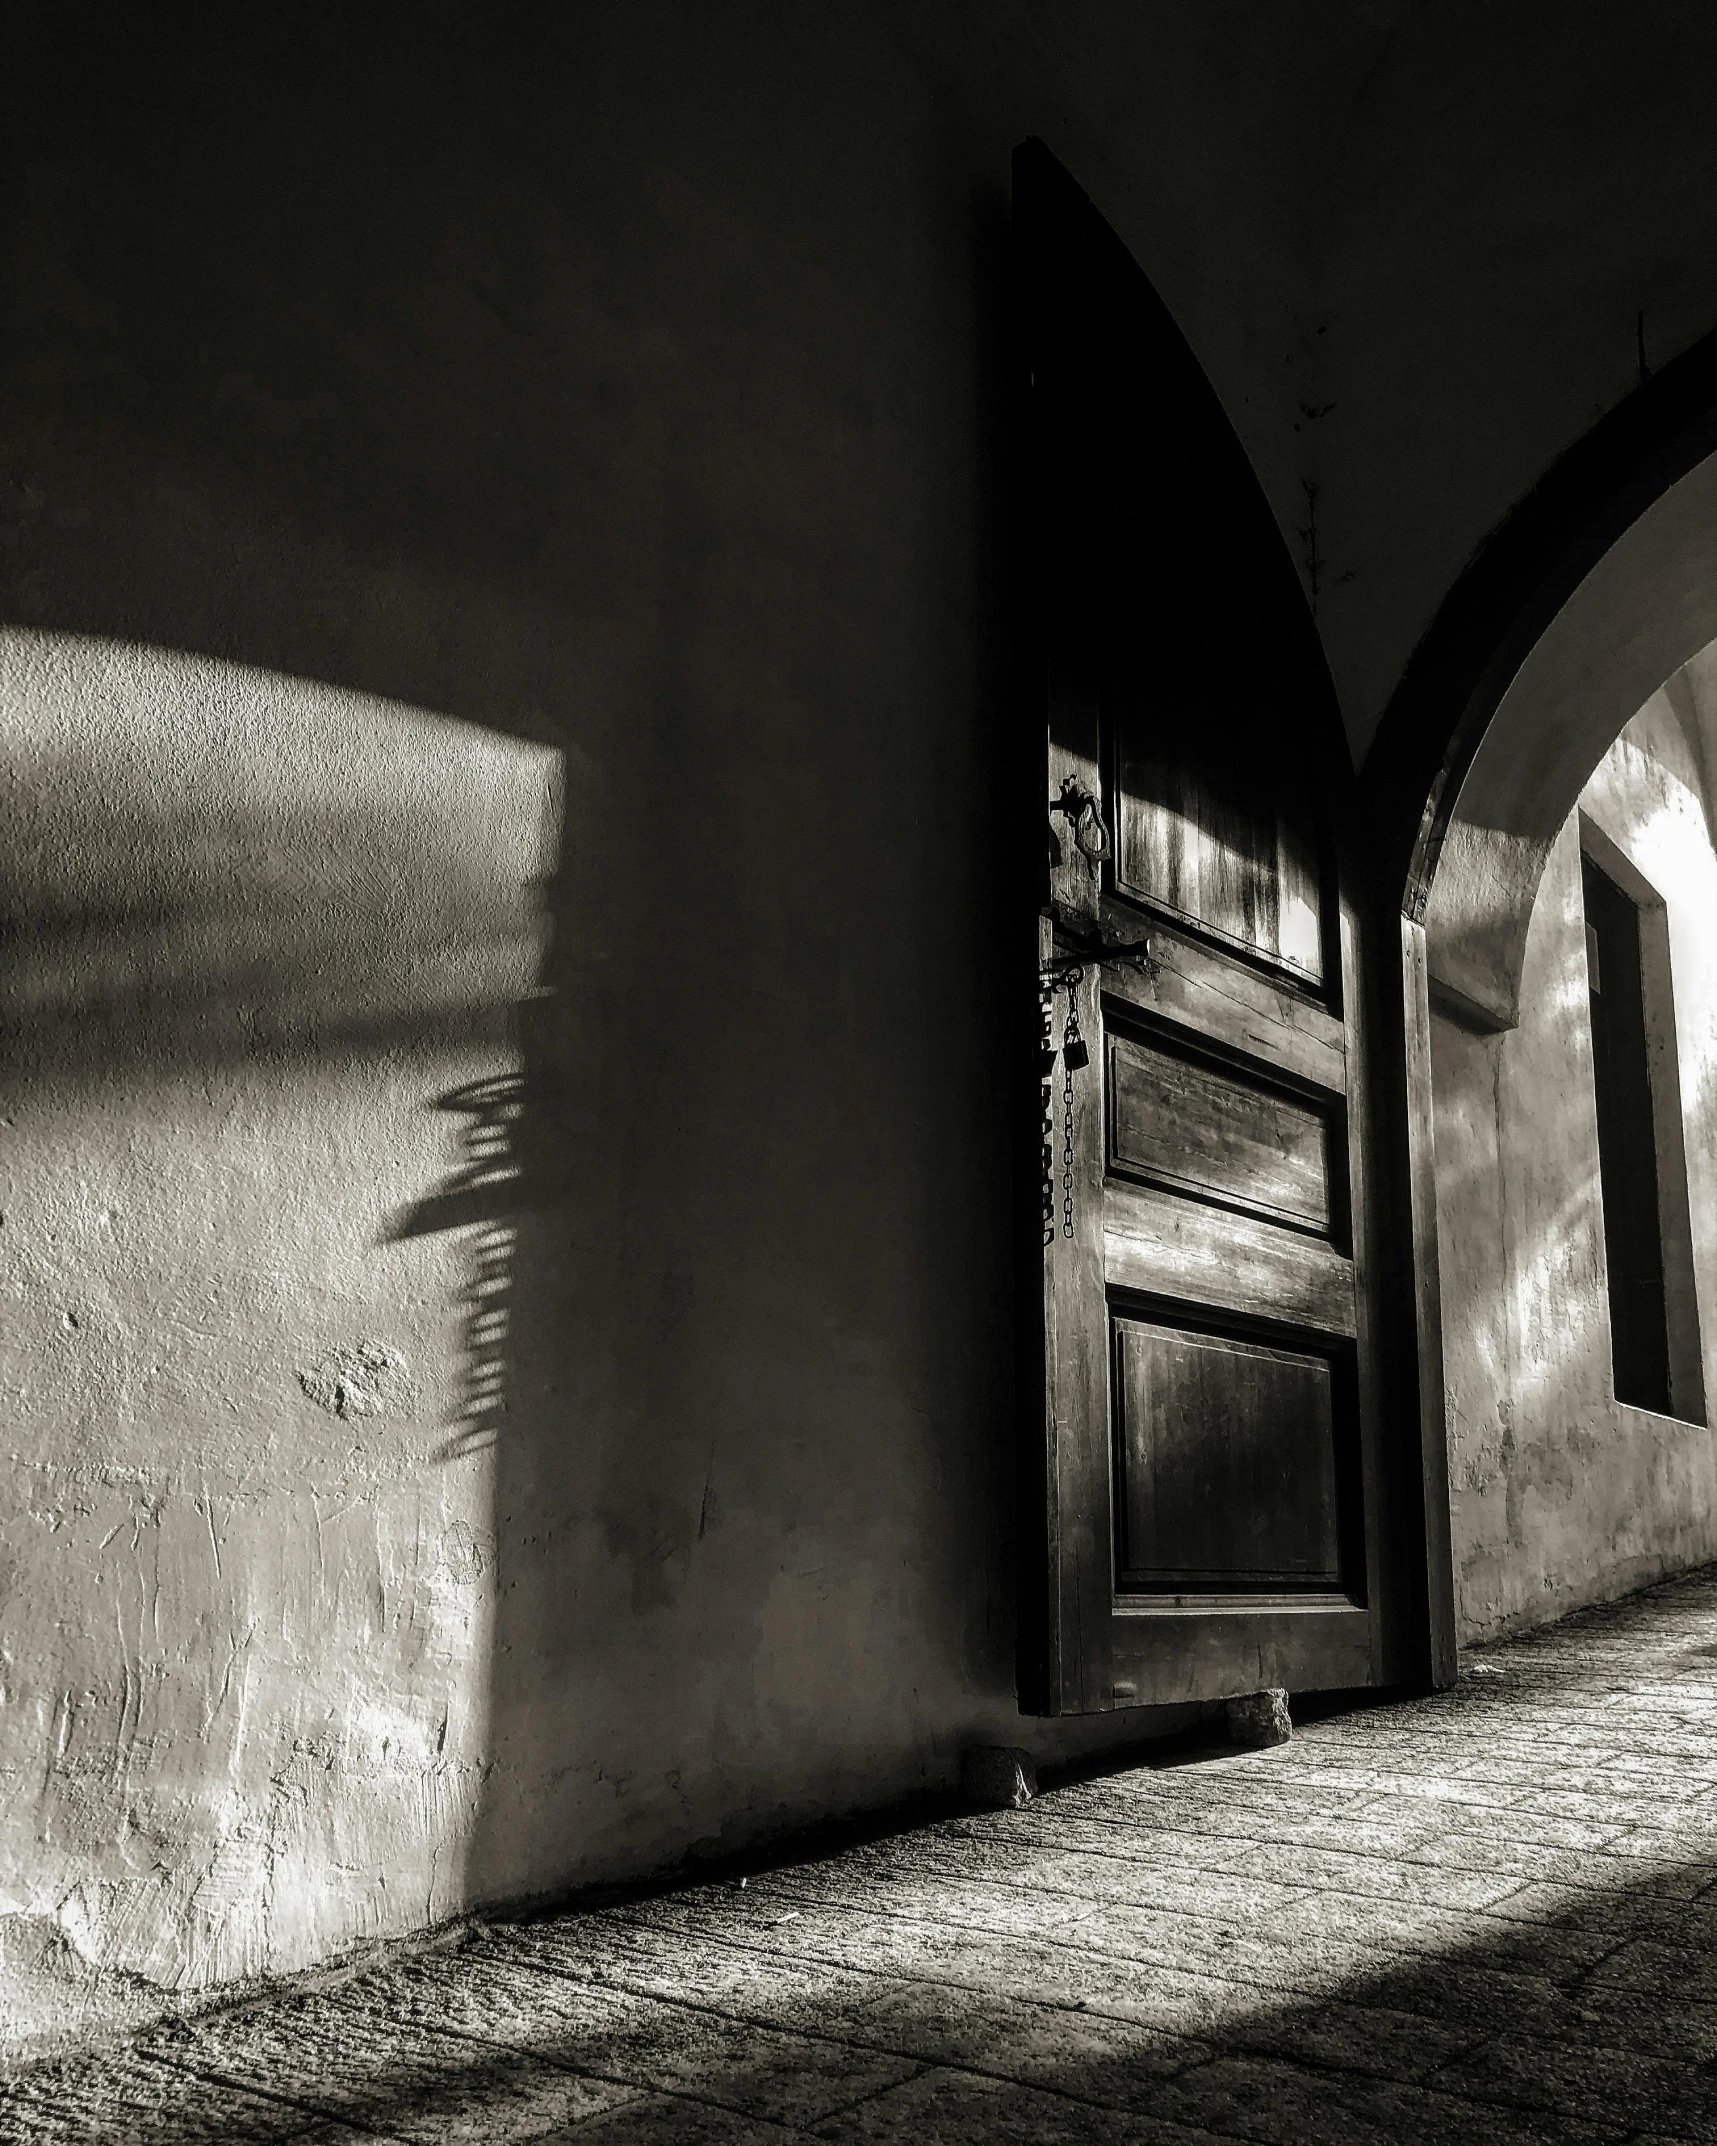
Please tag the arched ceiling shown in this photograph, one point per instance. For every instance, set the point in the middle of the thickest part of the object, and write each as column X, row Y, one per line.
column 1645, row 614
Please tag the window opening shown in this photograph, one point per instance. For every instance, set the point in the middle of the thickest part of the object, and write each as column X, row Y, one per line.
column 1641, row 1164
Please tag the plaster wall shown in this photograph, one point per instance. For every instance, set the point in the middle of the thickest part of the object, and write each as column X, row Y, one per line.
column 503, row 714
column 261, row 926
column 1560, row 1495
column 507, row 1224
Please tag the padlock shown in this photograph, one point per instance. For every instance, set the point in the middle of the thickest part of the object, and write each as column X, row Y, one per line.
column 1074, row 1056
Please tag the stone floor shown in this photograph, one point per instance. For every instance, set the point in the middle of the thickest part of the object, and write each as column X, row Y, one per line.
column 1486, row 1916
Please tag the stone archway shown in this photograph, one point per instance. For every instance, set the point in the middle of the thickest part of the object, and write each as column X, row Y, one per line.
column 1598, row 589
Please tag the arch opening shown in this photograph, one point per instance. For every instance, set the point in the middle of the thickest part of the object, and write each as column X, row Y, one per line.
column 1642, row 618
column 1588, row 807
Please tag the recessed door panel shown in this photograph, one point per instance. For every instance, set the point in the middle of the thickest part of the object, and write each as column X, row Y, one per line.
column 1179, row 1119
column 1211, row 824
column 1226, row 1464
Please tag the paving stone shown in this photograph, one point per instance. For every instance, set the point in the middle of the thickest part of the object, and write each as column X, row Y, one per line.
column 770, row 1986
column 1076, row 1873
column 128, row 2099
column 1166, row 1997
column 1643, row 1963
column 1240, row 1947
column 1056, row 1824
column 1338, row 2036
column 931, row 2021
column 1619, row 1909
column 1601, row 2086
column 353, row 2056
column 951, row 2108
column 1338, row 1873
column 1666, row 1844
column 1379, row 1921
column 1374, row 1829
column 1523, row 1827
column 736, row 2062
column 1466, row 1995
column 670, row 2120
column 1607, row 2018
column 1256, row 2098
column 1114, row 2061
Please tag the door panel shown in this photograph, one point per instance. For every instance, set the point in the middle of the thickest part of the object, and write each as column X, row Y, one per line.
column 1210, row 1461
column 1184, row 1121
column 1227, row 1458
column 1213, row 842
column 1225, row 1005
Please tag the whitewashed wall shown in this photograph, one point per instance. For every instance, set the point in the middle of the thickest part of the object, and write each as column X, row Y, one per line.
column 1560, row 1494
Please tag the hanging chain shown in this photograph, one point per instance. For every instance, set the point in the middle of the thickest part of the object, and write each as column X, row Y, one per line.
column 1046, row 1061
column 1073, row 1056
column 1067, row 1158
column 1066, row 972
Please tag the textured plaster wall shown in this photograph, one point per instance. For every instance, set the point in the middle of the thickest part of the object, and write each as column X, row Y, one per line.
column 507, row 1222
column 258, row 925
column 1561, row 1496
column 503, row 628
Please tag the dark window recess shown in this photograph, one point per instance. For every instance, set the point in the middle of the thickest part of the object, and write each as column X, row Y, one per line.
column 1627, row 1145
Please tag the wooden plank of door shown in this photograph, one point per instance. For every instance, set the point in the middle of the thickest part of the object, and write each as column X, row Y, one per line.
column 1160, row 1245
column 1224, row 1002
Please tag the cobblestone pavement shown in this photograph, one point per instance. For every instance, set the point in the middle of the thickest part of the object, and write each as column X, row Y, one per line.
column 1486, row 1916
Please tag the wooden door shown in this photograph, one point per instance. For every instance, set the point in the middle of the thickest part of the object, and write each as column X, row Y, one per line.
column 1210, row 1472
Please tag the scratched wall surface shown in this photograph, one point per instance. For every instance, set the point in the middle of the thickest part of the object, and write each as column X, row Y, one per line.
column 1560, row 1495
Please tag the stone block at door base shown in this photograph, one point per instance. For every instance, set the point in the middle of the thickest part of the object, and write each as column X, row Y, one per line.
column 1259, row 1719
column 997, row 1778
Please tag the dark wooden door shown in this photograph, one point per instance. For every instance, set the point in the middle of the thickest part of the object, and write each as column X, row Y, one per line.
column 1211, row 1470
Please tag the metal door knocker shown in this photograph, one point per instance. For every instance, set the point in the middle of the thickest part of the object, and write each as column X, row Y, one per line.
column 1080, row 808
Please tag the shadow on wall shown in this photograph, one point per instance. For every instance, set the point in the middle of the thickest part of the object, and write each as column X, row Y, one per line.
column 250, row 922
column 207, row 865
column 351, row 501
column 483, row 1195
column 1560, row 1495
column 610, row 400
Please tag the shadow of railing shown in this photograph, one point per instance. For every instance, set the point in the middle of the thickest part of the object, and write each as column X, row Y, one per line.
column 483, row 1195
